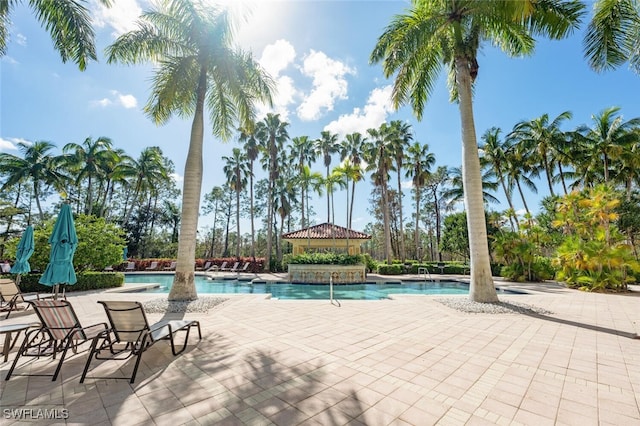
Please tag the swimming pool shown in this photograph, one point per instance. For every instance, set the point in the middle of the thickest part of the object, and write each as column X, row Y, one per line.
column 367, row 291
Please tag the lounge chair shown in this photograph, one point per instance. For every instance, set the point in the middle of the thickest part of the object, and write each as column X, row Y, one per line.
column 11, row 296
column 171, row 267
column 232, row 269
column 206, row 266
column 131, row 335
column 152, row 267
column 243, row 269
column 131, row 266
column 60, row 331
column 223, row 267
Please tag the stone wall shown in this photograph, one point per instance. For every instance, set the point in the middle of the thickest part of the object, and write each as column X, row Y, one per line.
column 314, row 274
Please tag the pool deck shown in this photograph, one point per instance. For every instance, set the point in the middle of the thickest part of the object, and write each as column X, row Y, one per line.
column 406, row 361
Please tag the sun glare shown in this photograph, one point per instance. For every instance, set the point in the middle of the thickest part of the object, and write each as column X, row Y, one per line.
column 255, row 21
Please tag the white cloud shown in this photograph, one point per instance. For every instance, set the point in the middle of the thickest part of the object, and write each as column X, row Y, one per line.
column 117, row 98
column 177, row 178
column 21, row 39
column 10, row 144
column 121, row 16
column 329, row 84
column 373, row 114
column 9, row 60
column 406, row 184
column 101, row 103
column 127, row 101
column 276, row 58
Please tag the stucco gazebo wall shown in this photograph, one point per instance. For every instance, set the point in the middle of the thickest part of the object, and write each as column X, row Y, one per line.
column 341, row 274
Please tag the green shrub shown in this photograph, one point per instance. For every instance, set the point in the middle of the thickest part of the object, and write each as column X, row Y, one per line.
column 324, row 259
column 371, row 263
column 395, row 269
column 100, row 244
column 86, row 281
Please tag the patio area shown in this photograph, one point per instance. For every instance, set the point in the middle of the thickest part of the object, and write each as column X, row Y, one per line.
column 406, row 361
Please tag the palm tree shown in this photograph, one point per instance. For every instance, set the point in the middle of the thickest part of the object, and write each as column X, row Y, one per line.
column 455, row 193
column 325, row 146
column 401, row 135
column 308, row 179
column 197, row 64
column 117, row 168
column 89, row 159
column 606, row 139
column 613, row 35
column 272, row 133
column 351, row 149
column 303, row 151
column 435, row 183
column 68, row 23
column 419, row 165
column 432, row 34
column 148, row 171
column 252, row 149
column 519, row 171
column 236, row 171
column 494, row 155
column 37, row 165
column 350, row 172
column 544, row 140
column 378, row 155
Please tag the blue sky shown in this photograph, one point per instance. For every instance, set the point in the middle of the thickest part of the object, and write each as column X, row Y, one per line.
column 318, row 52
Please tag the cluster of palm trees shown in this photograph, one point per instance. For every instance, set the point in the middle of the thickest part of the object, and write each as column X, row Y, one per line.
column 96, row 178
column 288, row 164
column 604, row 152
column 199, row 68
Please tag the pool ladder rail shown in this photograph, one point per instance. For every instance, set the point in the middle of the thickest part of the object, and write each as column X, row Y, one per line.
column 425, row 271
column 331, row 299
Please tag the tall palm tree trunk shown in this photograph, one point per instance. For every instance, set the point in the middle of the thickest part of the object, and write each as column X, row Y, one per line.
column 238, row 214
column 416, row 234
column 253, row 230
column 353, row 193
column 402, row 247
column 548, row 171
column 481, row 288
column 183, row 282
column 385, row 219
column 510, row 202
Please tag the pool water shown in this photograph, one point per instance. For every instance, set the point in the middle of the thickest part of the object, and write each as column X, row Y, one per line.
column 367, row 291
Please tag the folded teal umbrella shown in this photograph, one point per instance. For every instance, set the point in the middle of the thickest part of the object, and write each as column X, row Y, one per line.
column 24, row 252
column 64, row 242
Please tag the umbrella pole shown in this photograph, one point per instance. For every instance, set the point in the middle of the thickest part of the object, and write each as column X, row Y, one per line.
column 18, row 281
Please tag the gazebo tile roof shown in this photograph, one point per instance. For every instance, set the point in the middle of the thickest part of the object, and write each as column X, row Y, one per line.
column 323, row 232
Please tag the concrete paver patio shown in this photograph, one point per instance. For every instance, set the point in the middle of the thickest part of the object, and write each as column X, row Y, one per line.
column 406, row 361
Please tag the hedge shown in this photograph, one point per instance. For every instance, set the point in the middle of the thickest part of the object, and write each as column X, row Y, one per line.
column 86, row 281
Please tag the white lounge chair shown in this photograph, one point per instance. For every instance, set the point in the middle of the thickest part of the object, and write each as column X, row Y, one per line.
column 243, row 269
column 232, row 269
column 171, row 267
column 152, row 267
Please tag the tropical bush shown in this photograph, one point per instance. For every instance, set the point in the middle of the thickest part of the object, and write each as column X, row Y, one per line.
column 521, row 253
column 595, row 255
column 86, row 281
column 324, row 259
column 393, row 269
column 100, row 244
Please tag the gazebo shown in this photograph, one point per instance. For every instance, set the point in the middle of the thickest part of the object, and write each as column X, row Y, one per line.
column 326, row 237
